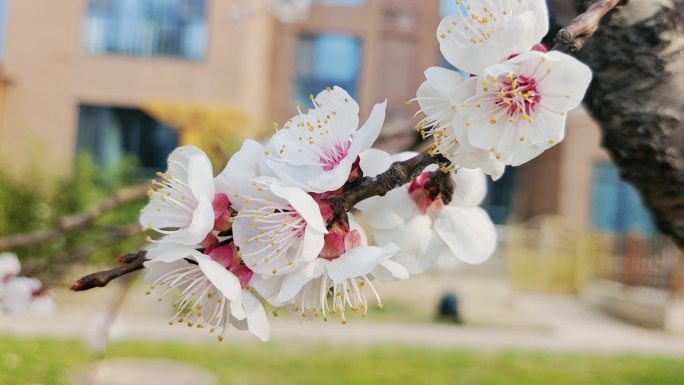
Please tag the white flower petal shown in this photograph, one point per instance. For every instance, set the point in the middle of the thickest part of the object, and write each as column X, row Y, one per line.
column 242, row 166
column 525, row 154
column 312, row 244
column 443, row 80
column 201, row 175
column 169, row 252
column 469, row 233
column 316, row 151
column 364, row 138
column 257, row 321
column 482, row 33
column 413, row 239
column 388, row 211
column 355, row 225
column 295, row 281
column 267, row 287
column 396, row 270
column 493, row 168
column 200, row 226
column 343, row 104
column 568, row 77
column 374, row 162
column 471, row 187
column 180, row 204
column 305, row 205
column 237, row 309
column 359, row 261
column 222, row 279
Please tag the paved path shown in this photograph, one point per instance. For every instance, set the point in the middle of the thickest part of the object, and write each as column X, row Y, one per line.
column 500, row 319
column 579, row 340
column 143, row 371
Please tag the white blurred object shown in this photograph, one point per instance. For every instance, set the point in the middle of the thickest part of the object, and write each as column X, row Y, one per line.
column 286, row 11
column 107, row 327
column 9, row 265
column 18, row 294
column 290, row 11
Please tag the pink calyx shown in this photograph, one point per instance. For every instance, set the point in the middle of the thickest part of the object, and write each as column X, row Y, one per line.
column 421, row 194
column 326, row 208
column 228, row 257
column 223, row 213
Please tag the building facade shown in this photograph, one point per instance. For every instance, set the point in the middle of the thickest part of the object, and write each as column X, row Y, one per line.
column 75, row 74
column 85, row 66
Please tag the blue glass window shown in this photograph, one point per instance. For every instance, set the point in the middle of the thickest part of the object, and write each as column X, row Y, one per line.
column 147, row 28
column 325, row 61
column 499, row 197
column 616, row 205
column 447, row 7
column 110, row 134
column 3, row 28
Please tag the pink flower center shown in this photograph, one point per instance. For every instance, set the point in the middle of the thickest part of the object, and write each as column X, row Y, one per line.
column 332, row 158
column 517, row 95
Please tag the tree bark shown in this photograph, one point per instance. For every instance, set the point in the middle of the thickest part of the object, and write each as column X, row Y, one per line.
column 637, row 96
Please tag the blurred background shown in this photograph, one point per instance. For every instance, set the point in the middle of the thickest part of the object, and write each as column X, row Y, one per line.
column 94, row 94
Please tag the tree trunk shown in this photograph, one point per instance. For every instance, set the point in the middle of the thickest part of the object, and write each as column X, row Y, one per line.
column 637, row 96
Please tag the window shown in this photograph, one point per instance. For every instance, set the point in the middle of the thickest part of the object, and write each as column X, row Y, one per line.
column 147, row 28
column 326, row 61
column 500, row 196
column 3, row 28
column 448, row 7
column 617, row 205
column 110, row 134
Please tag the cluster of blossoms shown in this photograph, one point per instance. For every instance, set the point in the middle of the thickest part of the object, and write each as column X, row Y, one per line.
column 264, row 230
column 269, row 229
column 21, row 294
column 514, row 104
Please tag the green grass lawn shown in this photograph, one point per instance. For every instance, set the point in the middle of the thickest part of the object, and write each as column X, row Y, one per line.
column 49, row 362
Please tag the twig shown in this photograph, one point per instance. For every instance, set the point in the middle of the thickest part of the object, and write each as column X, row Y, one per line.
column 131, row 263
column 572, row 37
column 56, row 265
column 397, row 175
column 76, row 221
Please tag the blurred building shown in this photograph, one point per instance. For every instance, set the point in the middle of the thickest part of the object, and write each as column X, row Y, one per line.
column 75, row 75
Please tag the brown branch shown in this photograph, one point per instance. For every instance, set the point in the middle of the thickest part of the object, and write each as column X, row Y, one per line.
column 572, row 37
column 397, row 175
column 131, row 263
column 56, row 265
column 76, row 221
